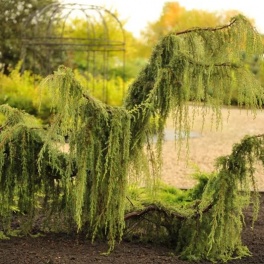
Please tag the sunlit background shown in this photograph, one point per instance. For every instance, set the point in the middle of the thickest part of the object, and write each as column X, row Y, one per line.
column 138, row 13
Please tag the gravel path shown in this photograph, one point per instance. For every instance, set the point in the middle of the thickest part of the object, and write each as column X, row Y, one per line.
column 206, row 144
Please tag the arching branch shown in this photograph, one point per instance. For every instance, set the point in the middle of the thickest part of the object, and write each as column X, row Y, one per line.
column 211, row 29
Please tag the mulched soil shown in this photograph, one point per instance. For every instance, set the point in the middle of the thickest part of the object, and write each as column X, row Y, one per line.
column 61, row 248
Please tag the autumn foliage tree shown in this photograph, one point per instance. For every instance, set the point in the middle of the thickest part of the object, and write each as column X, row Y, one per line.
column 176, row 18
column 88, row 188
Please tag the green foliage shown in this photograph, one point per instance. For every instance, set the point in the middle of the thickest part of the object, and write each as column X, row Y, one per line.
column 101, row 155
column 111, row 148
column 21, row 141
column 111, row 91
column 176, row 18
column 20, row 90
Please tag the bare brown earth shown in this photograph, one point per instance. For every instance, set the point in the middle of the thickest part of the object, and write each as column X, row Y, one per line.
column 204, row 148
column 65, row 249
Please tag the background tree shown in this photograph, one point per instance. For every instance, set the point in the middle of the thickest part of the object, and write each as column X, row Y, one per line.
column 176, row 18
column 13, row 14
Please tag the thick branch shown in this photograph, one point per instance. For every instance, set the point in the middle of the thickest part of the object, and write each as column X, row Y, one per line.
column 152, row 208
column 156, row 208
column 212, row 29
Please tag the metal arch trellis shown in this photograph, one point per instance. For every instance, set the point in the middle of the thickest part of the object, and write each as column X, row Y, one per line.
column 48, row 40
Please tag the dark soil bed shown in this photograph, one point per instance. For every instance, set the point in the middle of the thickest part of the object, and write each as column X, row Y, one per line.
column 60, row 248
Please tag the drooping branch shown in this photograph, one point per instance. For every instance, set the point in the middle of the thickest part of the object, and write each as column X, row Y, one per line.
column 173, row 49
column 199, row 65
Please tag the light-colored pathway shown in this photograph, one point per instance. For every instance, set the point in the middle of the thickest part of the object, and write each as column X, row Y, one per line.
column 206, row 145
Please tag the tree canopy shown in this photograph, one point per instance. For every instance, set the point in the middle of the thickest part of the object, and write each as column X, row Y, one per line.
column 13, row 14
column 86, row 189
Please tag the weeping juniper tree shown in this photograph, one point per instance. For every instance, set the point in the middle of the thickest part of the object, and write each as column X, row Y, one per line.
column 87, row 188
